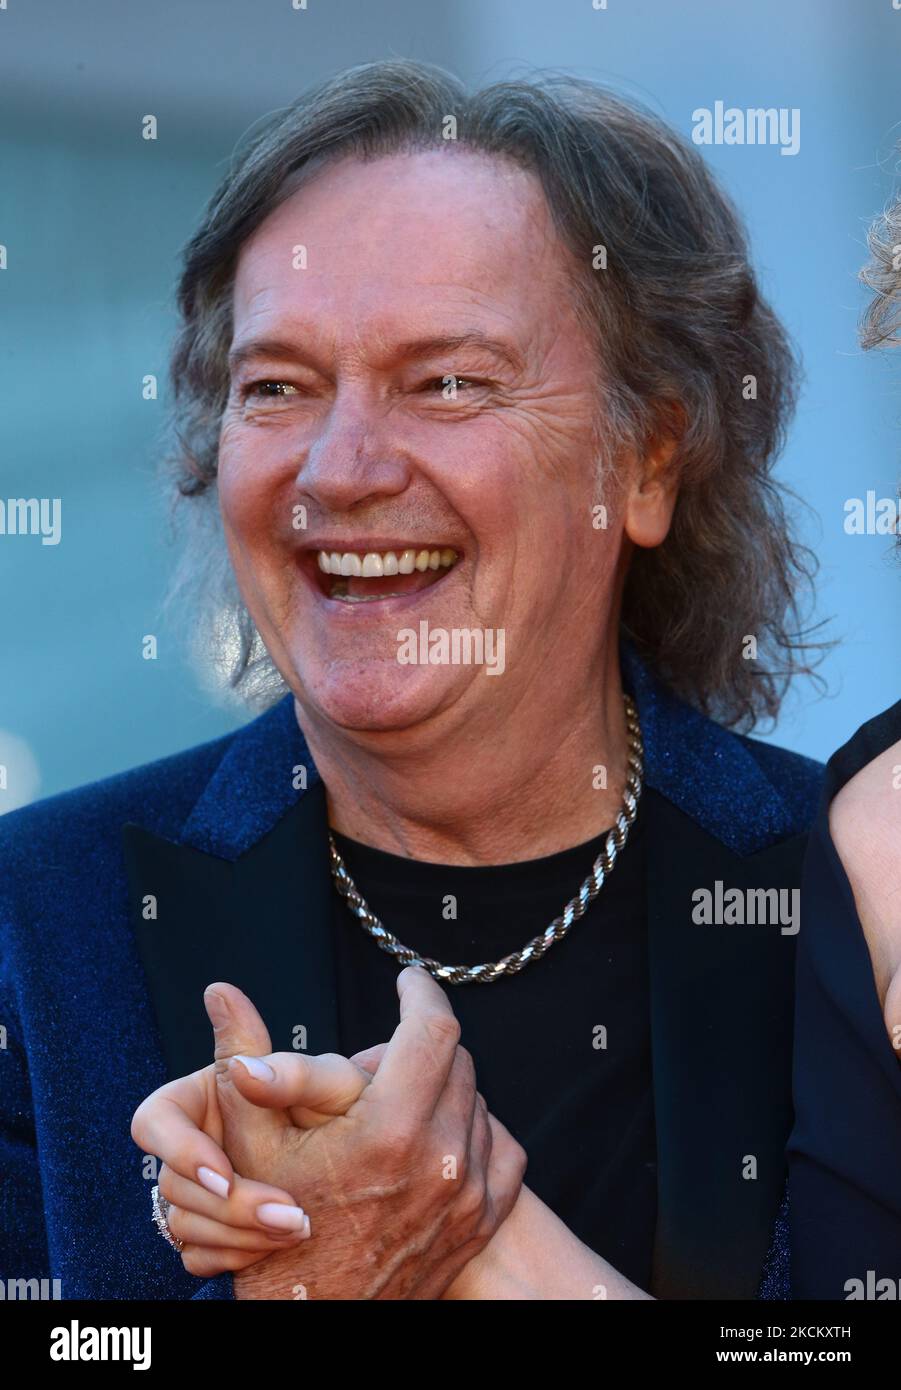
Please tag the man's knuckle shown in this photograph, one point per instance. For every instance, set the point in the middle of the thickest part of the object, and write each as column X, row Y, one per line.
column 466, row 1069
column 394, row 1143
column 514, row 1163
column 472, row 1203
column 443, row 1029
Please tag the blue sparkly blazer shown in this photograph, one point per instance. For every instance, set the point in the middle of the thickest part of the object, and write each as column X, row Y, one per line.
column 99, row 1006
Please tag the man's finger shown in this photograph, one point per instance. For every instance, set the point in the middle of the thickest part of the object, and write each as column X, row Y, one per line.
column 420, row 1053
column 458, row 1100
column 238, row 1029
column 237, row 1026
column 370, row 1059
column 506, row 1168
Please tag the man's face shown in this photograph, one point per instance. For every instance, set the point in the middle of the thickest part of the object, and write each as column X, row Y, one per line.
column 418, row 269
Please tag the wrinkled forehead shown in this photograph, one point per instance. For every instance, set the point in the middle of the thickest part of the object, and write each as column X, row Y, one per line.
column 404, row 235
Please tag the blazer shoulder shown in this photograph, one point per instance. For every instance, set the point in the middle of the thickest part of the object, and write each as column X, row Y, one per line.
column 62, row 829
column 797, row 778
column 744, row 792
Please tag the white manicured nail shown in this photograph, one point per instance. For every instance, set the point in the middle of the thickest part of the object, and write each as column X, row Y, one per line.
column 213, row 1182
column 281, row 1217
column 258, row 1069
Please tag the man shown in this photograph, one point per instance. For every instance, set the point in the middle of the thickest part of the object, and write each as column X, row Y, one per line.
column 488, row 422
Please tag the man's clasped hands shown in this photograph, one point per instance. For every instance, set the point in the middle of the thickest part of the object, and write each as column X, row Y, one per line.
column 380, row 1176
column 403, row 1174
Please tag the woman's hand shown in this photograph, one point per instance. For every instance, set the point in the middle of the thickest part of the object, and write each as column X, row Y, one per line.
column 227, row 1222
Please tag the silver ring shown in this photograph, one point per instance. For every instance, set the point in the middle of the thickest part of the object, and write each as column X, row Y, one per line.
column 161, row 1207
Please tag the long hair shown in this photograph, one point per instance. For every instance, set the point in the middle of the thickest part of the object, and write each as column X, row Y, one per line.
column 681, row 330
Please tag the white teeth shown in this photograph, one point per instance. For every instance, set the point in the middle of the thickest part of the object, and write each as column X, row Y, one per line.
column 351, row 564
column 364, row 598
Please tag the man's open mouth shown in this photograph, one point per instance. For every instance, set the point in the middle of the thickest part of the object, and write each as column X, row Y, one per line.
column 355, row 576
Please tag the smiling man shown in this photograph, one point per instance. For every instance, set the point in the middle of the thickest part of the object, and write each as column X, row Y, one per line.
column 339, row 397
column 496, row 384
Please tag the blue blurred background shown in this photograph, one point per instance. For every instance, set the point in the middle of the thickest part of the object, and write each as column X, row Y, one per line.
column 93, row 217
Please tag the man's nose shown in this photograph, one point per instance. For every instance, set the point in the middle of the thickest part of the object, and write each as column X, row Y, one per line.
column 356, row 456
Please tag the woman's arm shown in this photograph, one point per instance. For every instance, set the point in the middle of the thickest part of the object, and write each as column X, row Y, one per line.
column 865, row 825
column 535, row 1256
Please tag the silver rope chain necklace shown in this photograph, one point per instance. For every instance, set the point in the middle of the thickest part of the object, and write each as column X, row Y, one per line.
column 539, row 945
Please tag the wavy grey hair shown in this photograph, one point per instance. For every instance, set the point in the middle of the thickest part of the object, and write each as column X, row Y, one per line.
column 881, row 325
column 882, row 320
column 681, row 331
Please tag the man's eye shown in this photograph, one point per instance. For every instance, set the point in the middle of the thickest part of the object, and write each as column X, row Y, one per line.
column 268, row 389
column 451, row 383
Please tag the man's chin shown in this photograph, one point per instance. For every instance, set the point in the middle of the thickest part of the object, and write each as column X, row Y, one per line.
column 373, row 697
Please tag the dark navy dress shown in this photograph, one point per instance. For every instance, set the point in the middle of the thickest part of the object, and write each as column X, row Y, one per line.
column 845, row 1148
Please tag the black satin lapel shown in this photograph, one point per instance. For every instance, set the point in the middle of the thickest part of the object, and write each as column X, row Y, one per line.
column 721, row 1020
column 261, row 922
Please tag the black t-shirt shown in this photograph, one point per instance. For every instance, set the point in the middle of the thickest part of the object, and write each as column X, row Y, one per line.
column 562, row 1050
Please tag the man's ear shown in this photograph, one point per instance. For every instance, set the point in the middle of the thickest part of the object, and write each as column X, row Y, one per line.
column 654, row 483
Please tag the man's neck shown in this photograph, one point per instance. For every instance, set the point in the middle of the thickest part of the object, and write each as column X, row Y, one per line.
column 522, row 791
